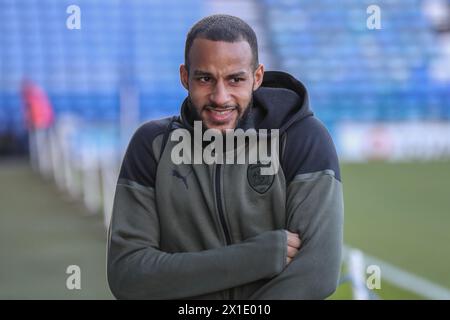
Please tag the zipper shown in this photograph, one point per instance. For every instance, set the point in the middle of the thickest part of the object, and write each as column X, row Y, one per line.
column 221, row 213
column 219, row 205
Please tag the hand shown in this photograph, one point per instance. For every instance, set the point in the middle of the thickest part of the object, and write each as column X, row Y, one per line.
column 293, row 245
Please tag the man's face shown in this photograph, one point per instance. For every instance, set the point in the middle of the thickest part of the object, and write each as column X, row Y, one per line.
column 220, row 81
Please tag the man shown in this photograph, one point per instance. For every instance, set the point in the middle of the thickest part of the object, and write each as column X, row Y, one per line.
column 224, row 231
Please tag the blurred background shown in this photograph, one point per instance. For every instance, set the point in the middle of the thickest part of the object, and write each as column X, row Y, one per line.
column 78, row 77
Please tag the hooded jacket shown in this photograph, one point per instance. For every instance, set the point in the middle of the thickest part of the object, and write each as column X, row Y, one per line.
column 217, row 231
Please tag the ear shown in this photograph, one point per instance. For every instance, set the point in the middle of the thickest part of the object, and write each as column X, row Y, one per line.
column 258, row 76
column 184, row 76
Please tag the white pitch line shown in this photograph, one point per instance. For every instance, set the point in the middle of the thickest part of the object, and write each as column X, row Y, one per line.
column 408, row 281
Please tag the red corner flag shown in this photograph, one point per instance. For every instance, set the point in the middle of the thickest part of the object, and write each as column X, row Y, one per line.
column 39, row 112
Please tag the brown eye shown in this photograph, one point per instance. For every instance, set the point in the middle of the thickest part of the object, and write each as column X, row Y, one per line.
column 204, row 79
column 236, row 80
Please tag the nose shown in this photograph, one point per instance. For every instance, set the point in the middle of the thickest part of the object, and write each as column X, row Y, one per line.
column 220, row 95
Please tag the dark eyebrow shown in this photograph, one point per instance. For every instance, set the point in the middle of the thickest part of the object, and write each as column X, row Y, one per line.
column 202, row 73
column 237, row 74
column 208, row 74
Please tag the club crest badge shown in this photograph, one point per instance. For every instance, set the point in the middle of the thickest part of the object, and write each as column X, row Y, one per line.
column 260, row 183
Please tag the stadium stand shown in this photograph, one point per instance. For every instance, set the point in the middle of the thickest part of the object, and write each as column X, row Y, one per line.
column 119, row 43
column 351, row 73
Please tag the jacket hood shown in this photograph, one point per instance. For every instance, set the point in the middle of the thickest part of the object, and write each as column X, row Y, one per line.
column 280, row 101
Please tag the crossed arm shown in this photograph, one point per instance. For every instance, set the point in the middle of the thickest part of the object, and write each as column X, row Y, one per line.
column 137, row 269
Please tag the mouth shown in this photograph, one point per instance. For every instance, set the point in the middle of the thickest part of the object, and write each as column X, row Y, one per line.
column 220, row 115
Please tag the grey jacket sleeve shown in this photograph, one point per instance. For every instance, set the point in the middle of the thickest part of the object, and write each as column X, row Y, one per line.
column 315, row 211
column 138, row 269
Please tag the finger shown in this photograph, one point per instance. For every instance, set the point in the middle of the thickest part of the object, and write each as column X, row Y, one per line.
column 291, row 252
column 294, row 240
column 291, row 235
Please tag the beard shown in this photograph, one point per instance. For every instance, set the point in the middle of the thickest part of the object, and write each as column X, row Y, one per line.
column 243, row 120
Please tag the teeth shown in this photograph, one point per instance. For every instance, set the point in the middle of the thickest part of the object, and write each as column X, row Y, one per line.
column 223, row 112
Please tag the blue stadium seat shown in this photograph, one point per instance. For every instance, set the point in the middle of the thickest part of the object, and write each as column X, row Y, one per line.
column 352, row 73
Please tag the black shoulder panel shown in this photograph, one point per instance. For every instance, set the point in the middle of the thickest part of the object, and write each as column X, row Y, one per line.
column 309, row 148
column 139, row 164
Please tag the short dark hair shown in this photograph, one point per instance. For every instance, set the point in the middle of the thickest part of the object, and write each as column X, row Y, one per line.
column 222, row 27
